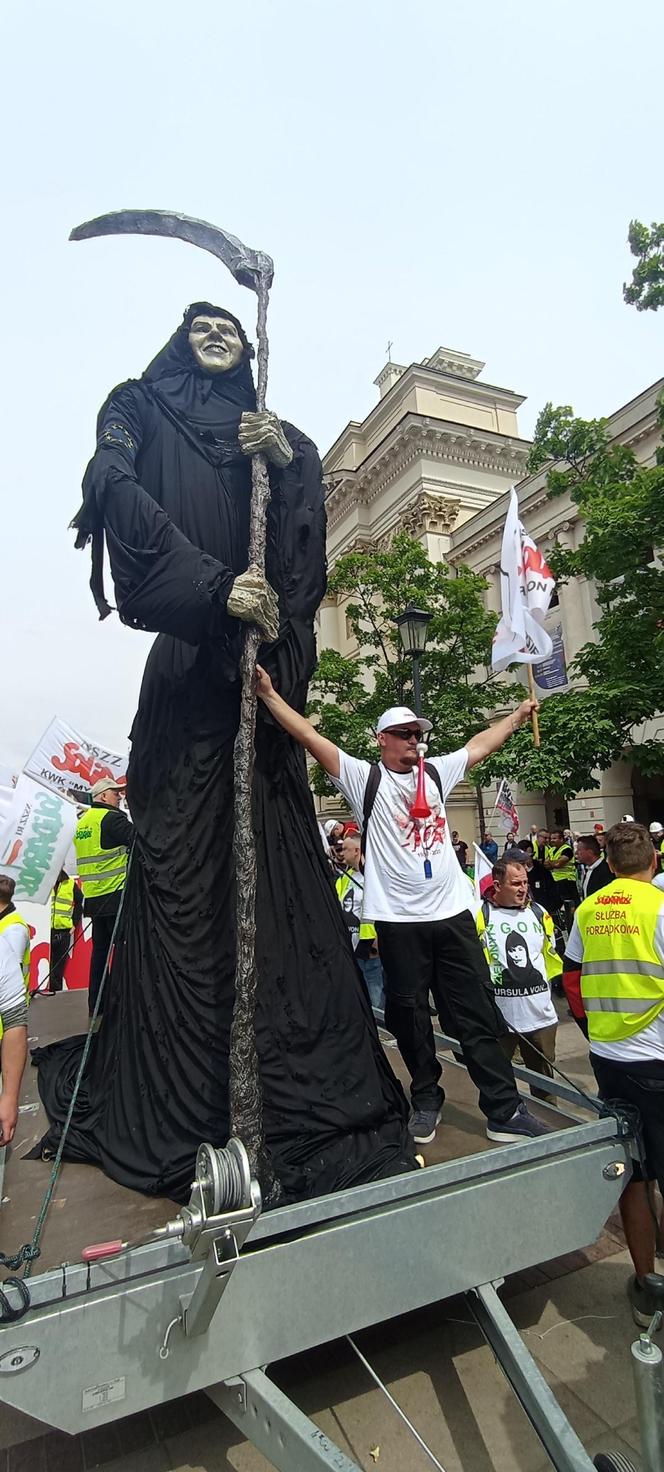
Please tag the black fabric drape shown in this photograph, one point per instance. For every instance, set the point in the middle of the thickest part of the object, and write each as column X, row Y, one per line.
column 171, row 489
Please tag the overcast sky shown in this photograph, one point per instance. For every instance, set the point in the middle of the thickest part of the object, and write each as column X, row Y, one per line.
column 432, row 173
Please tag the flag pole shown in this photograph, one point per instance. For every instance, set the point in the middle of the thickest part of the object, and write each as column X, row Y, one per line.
column 533, row 715
column 501, row 784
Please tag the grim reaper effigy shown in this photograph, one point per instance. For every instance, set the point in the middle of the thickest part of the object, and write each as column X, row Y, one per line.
column 169, row 488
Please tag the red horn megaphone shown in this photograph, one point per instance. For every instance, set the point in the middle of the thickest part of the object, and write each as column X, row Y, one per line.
column 420, row 808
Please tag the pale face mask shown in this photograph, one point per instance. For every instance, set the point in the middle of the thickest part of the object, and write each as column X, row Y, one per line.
column 215, row 344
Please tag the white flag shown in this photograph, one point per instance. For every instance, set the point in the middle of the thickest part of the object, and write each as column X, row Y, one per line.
column 526, row 586
column 483, row 874
column 68, row 763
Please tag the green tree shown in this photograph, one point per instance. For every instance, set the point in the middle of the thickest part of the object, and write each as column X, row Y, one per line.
column 622, row 505
column 646, row 290
column 348, row 695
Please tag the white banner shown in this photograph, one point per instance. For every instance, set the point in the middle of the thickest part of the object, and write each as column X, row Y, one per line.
column 35, row 838
column 8, row 780
column 68, row 763
column 526, row 586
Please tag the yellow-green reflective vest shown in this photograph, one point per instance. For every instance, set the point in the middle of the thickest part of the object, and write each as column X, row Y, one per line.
column 15, row 919
column 62, row 906
column 100, row 870
column 569, row 870
column 622, row 977
column 342, row 885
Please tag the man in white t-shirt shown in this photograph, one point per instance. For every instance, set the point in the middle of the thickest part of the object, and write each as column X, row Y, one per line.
column 519, row 943
column 419, row 900
column 614, row 980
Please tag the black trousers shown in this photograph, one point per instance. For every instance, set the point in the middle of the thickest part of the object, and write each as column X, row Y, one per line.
column 60, row 945
column 102, row 934
column 446, row 958
column 641, row 1084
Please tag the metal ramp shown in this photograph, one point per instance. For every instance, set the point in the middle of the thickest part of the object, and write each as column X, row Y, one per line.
column 224, row 1291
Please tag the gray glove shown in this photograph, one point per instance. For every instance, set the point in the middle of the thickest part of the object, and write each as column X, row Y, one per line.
column 262, row 434
column 253, row 600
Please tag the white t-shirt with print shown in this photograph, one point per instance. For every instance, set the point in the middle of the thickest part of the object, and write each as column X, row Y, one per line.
column 641, row 1046
column 395, row 884
column 516, row 941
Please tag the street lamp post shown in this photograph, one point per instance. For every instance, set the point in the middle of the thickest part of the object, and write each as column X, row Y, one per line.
column 413, row 626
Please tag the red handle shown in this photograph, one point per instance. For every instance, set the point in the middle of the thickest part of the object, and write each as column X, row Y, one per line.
column 97, row 1250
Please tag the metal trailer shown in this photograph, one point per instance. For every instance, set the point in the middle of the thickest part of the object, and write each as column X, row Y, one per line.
column 222, row 1291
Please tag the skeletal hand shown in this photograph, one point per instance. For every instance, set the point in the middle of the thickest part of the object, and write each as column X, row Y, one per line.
column 253, row 600
column 263, row 434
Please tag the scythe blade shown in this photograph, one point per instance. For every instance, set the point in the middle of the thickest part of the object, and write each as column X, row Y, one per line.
column 252, row 268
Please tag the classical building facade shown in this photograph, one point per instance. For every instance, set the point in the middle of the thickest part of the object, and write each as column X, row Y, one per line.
column 436, row 457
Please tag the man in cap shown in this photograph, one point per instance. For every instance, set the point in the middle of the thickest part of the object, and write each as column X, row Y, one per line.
column 419, row 900
column 102, row 839
column 657, row 834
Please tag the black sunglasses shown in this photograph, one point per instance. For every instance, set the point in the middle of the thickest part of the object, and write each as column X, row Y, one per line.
column 406, row 735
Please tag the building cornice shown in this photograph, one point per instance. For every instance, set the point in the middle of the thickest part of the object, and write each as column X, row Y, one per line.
column 453, row 361
column 417, row 436
column 467, row 388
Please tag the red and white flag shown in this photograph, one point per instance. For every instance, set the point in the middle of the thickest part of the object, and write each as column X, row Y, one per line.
column 526, row 586
column 483, row 875
column 509, row 817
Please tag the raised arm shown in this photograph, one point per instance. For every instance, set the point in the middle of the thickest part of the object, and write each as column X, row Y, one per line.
column 486, row 742
column 297, row 726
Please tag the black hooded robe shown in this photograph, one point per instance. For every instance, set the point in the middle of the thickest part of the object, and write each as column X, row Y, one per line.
column 172, row 491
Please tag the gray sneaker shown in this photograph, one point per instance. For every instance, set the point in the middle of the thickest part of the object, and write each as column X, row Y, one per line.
column 646, row 1296
column 422, row 1124
column 522, row 1126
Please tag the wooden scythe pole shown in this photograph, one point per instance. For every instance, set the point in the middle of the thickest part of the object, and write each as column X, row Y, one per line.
column 255, row 270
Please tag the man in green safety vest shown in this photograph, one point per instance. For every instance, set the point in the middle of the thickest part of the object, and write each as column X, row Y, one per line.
column 102, row 839
column 350, row 889
column 540, row 841
column 559, row 860
column 14, row 927
column 614, row 980
column 66, row 912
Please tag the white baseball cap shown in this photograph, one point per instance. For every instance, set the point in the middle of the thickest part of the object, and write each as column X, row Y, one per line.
column 105, row 784
column 656, row 828
column 400, row 715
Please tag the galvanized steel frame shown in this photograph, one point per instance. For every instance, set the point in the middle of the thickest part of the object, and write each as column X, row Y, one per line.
column 308, row 1274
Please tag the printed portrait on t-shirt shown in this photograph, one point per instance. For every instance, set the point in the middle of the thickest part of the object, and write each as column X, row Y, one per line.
column 348, row 904
column 519, row 974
